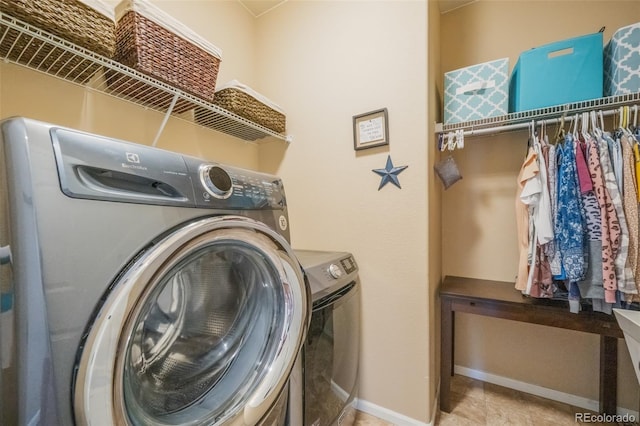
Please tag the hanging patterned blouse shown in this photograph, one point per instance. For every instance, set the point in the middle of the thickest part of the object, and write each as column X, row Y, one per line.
column 630, row 205
column 552, row 253
column 609, row 220
column 569, row 227
column 624, row 274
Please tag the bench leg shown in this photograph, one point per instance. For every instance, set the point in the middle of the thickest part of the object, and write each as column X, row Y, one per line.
column 446, row 354
column 608, row 374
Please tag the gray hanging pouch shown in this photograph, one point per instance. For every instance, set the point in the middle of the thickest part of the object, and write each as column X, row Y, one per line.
column 448, row 172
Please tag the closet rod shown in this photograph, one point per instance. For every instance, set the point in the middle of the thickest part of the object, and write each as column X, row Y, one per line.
column 525, row 125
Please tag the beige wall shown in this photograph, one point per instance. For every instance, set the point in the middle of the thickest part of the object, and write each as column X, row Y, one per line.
column 479, row 235
column 325, row 61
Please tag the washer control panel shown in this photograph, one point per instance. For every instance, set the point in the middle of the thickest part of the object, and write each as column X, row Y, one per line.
column 228, row 187
column 258, row 189
column 100, row 168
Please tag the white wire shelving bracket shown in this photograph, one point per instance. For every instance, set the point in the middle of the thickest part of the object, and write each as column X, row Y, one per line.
column 33, row 48
column 550, row 115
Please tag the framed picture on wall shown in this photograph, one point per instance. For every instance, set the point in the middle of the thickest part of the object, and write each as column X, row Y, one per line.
column 370, row 129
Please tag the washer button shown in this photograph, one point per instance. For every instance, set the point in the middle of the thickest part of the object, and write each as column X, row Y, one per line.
column 335, row 271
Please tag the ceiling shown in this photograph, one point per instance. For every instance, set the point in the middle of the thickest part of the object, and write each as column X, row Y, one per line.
column 260, row 7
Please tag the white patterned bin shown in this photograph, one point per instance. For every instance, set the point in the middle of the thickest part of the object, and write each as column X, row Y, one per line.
column 476, row 92
column 622, row 62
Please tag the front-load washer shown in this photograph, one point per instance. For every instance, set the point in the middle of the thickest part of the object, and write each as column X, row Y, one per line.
column 141, row 286
column 330, row 355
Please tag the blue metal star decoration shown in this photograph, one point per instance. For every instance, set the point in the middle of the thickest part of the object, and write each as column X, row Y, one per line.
column 389, row 174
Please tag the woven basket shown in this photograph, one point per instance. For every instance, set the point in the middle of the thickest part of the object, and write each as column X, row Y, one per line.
column 68, row 20
column 71, row 20
column 246, row 106
column 150, row 48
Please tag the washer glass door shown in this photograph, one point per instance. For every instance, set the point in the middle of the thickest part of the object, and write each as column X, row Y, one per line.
column 202, row 329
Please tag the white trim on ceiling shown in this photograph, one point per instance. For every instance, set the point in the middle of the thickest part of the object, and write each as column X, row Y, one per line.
column 451, row 5
column 258, row 8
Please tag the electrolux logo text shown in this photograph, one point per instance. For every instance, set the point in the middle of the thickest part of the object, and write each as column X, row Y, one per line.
column 133, row 162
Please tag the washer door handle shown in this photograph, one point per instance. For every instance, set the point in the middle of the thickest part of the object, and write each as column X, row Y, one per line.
column 5, row 255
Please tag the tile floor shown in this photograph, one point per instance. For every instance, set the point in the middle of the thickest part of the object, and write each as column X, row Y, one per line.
column 478, row 403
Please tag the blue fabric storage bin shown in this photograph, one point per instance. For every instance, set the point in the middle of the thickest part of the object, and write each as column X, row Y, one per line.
column 476, row 92
column 557, row 73
column 622, row 62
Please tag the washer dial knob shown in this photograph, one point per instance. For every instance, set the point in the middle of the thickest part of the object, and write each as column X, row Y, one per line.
column 335, row 271
column 216, row 181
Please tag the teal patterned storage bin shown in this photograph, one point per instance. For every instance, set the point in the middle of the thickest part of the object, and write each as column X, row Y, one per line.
column 557, row 73
column 622, row 62
column 476, row 92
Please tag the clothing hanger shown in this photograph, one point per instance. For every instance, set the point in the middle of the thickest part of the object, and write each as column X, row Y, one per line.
column 544, row 139
column 620, row 117
column 598, row 123
column 594, row 123
column 449, row 143
column 601, row 118
column 560, row 133
column 530, row 138
column 460, row 138
column 627, row 120
column 575, row 125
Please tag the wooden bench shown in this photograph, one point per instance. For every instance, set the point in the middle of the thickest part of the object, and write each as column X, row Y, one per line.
column 501, row 300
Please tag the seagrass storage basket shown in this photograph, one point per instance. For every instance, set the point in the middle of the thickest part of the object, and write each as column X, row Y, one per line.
column 154, row 43
column 247, row 103
column 88, row 24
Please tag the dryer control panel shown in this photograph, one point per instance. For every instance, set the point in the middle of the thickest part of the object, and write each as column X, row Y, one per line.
column 327, row 271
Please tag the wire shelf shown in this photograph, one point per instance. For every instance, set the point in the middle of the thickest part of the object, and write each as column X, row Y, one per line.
column 520, row 120
column 31, row 47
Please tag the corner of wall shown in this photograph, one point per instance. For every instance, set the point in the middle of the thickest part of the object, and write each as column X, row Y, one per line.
column 434, row 194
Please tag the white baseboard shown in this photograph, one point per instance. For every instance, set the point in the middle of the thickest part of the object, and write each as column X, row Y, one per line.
column 435, row 408
column 575, row 400
column 388, row 415
column 397, row 418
